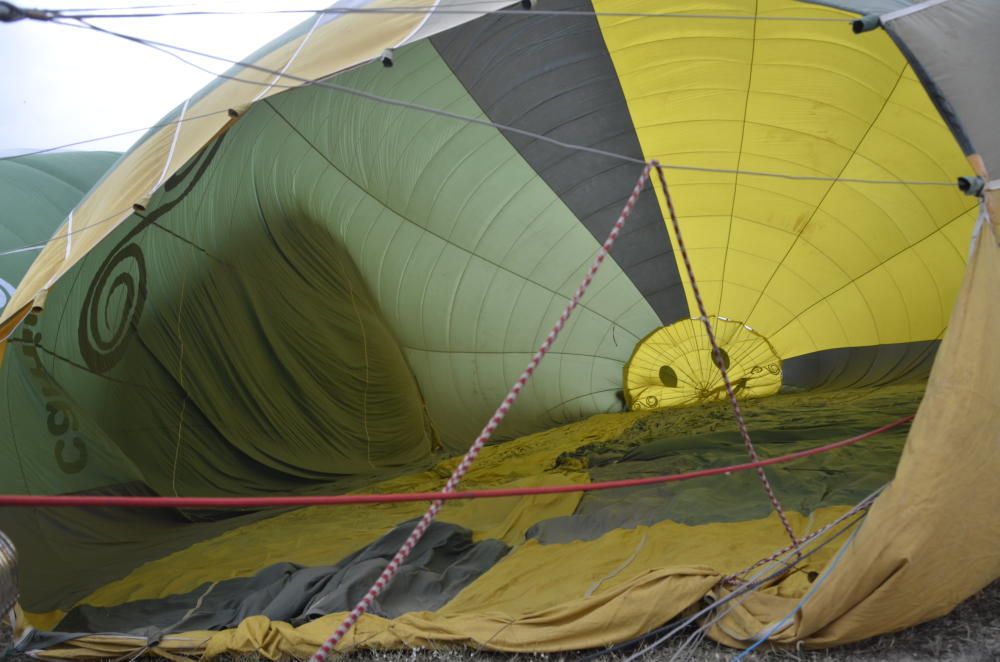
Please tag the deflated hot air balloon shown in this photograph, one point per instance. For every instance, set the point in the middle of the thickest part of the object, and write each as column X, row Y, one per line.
column 323, row 272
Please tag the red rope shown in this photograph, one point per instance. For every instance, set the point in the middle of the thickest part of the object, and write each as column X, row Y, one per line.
column 72, row 501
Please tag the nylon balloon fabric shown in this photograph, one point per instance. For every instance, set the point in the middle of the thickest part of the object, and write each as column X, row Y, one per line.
column 326, row 283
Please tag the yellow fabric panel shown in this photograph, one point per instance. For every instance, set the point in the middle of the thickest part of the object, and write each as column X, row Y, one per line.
column 508, row 519
column 931, row 539
column 584, row 622
column 117, row 646
column 41, row 621
column 811, row 265
column 569, row 571
column 903, row 297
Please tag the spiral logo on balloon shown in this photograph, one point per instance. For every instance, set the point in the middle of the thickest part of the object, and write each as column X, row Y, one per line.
column 646, row 402
column 112, row 307
column 117, row 294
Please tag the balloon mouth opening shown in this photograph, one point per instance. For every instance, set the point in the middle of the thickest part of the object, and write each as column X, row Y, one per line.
column 676, row 365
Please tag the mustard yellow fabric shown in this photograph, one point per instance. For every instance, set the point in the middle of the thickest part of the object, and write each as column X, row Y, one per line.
column 539, row 598
column 933, row 537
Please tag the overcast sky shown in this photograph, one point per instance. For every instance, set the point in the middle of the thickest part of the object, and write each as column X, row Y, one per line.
column 61, row 84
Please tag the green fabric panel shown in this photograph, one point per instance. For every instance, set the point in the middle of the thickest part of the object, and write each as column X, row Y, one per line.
column 80, row 170
column 469, row 253
column 293, row 295
column 43, row 430
column 53, row 443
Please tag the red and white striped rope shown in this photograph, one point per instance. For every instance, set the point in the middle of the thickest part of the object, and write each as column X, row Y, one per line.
column 484, row 436
column 717, row 356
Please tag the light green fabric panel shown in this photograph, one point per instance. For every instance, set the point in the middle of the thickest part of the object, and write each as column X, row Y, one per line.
column 470, row 255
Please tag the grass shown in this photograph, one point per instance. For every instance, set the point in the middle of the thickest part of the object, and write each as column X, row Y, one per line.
column 970, row 633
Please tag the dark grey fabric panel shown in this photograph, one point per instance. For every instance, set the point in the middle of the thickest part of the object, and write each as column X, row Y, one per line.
column 848, row 367
column 803, row 487
column 442, row 564
column 831, row 479
column 552, row 75
column 953, row 48
column 779, row 425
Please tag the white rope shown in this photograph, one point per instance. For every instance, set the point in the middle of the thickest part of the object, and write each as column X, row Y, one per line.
column 451, row 10
column 743, row 592
column 42, row 244
column 112, row 135
column 157, row 45
column 69, row 232
column 170, row 154
column 912, row 9
column 981, row 221
column 298, row 50
column 24, row 249
column 827, row 572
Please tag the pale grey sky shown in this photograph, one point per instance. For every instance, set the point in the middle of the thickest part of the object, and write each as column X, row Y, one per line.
column 61, row 84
